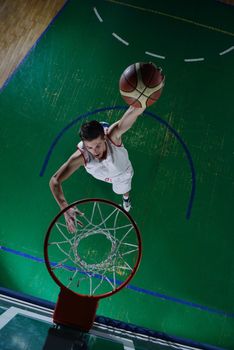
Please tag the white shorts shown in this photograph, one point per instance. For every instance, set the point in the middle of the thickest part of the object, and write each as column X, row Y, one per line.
column 122, row 184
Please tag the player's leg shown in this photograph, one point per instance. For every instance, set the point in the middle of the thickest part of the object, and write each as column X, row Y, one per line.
column 122, row 186
column 126, row 201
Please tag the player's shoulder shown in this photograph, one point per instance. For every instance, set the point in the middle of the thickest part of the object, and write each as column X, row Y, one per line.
column 80, row 146
column 111, row 132
column 106, row 127
column 82, row 153
column 113, row 135
column 77, row 157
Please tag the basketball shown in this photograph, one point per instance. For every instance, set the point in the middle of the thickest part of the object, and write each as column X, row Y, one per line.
column 141, row 84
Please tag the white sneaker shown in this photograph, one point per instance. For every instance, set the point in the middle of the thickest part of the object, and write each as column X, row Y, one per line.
column 127, row 204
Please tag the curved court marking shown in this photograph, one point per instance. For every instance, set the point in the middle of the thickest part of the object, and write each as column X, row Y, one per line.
column 97, row 14
column 114, row 34
column 189, row 158
column 154, row 55
column 120, row 39
column 194, row 59
column 187, row 60
column 161, row 121
column 226, row 51
column 135, row 288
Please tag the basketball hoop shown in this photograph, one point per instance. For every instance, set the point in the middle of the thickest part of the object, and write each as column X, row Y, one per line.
column 94, row 262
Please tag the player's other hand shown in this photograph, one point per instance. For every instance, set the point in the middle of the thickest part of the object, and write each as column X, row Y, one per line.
column 71, row 219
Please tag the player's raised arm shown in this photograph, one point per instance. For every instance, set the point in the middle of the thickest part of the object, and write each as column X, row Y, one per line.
column 125, row 123
column 63, row 173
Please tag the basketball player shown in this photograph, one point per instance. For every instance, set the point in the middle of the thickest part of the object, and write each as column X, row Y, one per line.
column 104, row 156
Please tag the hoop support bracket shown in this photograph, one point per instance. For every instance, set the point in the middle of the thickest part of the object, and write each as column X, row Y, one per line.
column 74, row 310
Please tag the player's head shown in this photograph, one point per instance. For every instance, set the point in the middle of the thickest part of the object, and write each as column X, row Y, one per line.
column 91, row 130
column 93, row 136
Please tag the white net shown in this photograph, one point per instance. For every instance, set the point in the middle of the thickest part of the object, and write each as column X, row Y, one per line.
column 100, row 255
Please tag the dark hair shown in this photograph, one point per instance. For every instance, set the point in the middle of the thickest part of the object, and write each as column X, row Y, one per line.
column 91, row 130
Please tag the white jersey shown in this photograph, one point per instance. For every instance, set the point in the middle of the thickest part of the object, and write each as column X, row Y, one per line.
column 113, row 167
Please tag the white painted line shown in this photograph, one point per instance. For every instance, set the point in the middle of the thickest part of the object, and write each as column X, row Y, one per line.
column 194, row 59
column 23, row 303
column 126, row 334
column 34, row 315
column 154, row 55
column 97, row 14
column 7, row 316
column 127, row 343
column 120, row 39
column 226, row 51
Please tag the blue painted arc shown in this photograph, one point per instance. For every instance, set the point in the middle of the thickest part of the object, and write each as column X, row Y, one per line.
column 155, row 117
column 188, row 155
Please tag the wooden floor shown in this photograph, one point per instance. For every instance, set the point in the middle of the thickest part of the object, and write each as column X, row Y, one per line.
column 21, row 24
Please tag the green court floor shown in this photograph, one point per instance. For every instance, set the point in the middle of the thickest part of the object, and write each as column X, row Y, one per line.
column 182, row 151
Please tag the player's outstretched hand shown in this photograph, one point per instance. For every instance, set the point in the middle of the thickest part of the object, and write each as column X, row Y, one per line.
column 71, row 219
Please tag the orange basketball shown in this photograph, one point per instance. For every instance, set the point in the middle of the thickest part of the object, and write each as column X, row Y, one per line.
column 141, row 84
